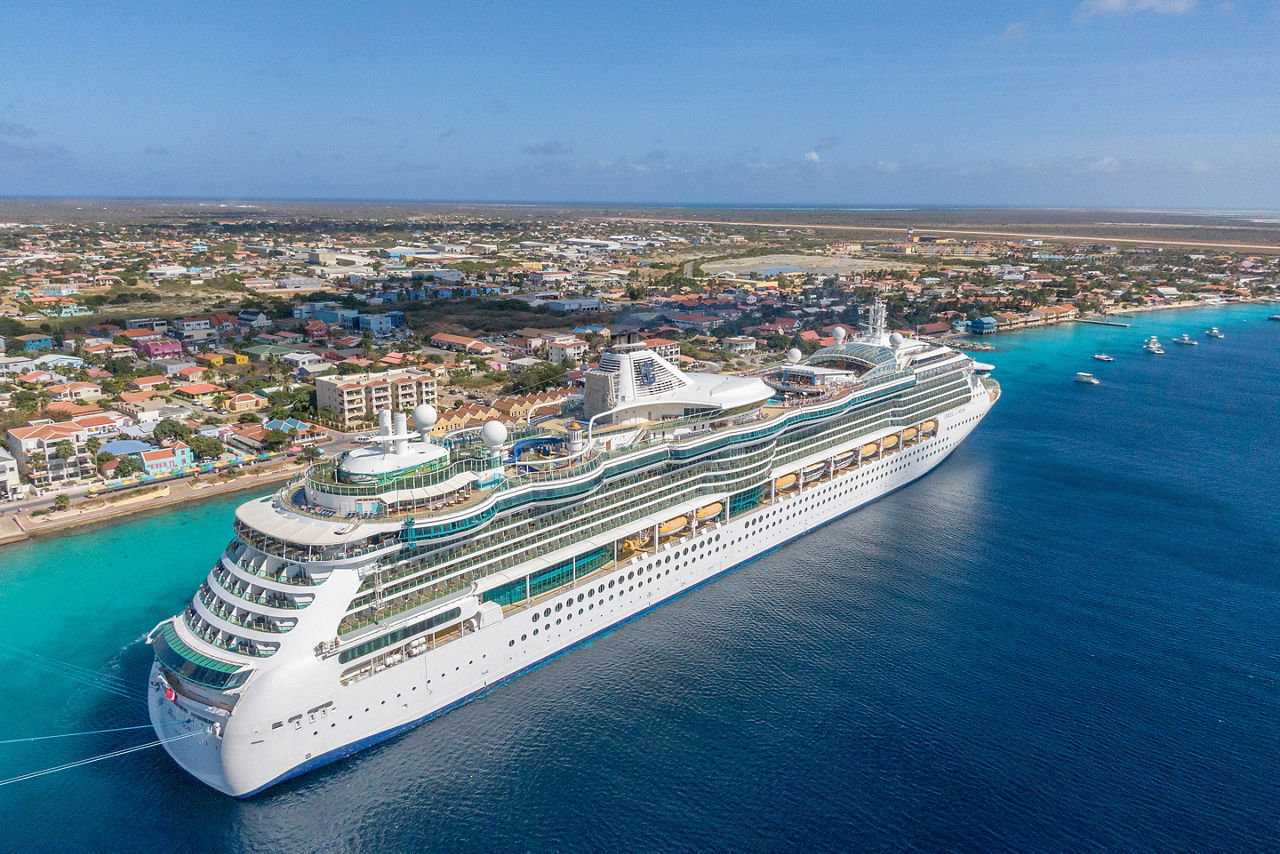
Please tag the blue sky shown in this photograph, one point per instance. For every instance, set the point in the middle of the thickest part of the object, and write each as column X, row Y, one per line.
column 1126, row 103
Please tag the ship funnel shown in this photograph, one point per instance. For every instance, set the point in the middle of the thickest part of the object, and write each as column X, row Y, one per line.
column 384, row 422
column 402, row 433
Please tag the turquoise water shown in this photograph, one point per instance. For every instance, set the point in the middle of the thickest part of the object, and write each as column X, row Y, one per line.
column 1064, row 637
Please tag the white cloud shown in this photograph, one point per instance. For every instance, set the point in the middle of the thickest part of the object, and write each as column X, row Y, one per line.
column 890, row 166
column 1090, row 8
column 812, row 157
column 1103, row 164
column 1015, row 32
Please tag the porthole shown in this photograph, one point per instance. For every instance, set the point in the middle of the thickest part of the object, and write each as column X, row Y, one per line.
column 511, row 642
column 558, row 607
column 581, row 597
column 535, row 633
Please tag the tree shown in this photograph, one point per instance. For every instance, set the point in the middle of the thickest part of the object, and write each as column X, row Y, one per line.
column 64, row 450
column 37, row 461
column 168, row 428
column 92, row 445
column 248, row 418
column 61, row 501
column 127, row 466
column 103, row 458
column 311, row 453
column 205, row 447
column 274, row 440
column 220, row 400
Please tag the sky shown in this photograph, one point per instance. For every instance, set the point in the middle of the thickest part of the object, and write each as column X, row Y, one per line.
column 1113, row 103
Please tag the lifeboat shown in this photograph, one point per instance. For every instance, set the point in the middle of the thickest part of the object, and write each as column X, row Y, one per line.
column 846, row 459
column 928, row 426
column 890, row 442
column 672, row 525
column 785, row 481
column 710, row 511
column 814, row 470
column 909, row 433
column 869, row 449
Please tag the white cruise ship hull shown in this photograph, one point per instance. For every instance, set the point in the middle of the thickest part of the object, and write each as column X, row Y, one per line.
column 243, row 753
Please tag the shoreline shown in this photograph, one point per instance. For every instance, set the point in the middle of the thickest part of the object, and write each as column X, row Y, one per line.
column 21, row 528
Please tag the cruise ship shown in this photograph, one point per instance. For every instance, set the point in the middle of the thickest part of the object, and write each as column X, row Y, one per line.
column 404, row 578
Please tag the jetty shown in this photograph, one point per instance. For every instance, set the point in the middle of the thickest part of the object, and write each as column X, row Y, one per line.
column 1101, row 322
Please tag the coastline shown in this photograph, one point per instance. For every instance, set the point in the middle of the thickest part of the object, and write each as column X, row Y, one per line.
column 21, row 527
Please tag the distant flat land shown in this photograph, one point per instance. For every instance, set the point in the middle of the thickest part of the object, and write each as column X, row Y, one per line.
column 769, row 264
column 1239, row 231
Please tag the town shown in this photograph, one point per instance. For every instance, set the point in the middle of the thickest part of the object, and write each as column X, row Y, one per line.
column 219, row 346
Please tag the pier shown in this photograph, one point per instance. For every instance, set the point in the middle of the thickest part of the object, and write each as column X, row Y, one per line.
column 1101, row 322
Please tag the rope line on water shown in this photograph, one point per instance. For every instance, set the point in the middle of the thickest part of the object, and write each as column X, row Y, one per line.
column 31, row 775
column 87, row 671
column 85, row 732
column 75, row 673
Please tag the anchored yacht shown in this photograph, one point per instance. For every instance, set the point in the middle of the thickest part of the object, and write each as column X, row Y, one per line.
column 401, row 579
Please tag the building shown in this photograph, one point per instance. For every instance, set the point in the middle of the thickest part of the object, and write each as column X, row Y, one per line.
column 299, row 432
column 246, row 402
column 559, row 352
column 665, row 347
column 461, row 343
column 199, row 392
column 305, row 362
column 39, row 452
column 159, row 348
column 10, row 480
column 375, row 324
column 738, row 345
column 354, row 398
column 73, row 391
column 168, row 460
column 35, row 342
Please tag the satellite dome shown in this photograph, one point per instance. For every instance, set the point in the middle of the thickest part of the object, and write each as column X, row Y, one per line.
column 425, row 417
column 794, row 355
column 896, row 339
column 839, row 334
column 493, row 434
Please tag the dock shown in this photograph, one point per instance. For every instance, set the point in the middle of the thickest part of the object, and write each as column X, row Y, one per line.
column 1101, row 322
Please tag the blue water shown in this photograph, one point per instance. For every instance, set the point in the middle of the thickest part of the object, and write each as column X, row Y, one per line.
column 1063, row 638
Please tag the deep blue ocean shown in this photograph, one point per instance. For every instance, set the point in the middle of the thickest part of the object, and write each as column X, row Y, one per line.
column 1064, row 638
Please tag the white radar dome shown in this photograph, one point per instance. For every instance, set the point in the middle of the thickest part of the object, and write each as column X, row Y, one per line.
column 839, row 334
column 794, row 355
column 493, row 434
column 896, row 339
column 425, row 417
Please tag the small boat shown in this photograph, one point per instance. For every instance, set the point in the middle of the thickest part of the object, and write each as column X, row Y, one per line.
column 709, row 511
column 784, row 481
column 1103, row 357
column 1153, row 345
column 889, row 441
column 909, row 433
column 1184, row 338
column 928, row 425
column 1214, row 333
column 670, row 526
column 1087, row 379
column 870, row 449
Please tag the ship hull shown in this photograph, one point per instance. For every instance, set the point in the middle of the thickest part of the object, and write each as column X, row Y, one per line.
column 249, row 750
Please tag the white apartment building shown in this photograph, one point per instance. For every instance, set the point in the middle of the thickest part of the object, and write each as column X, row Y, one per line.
column 354, row 397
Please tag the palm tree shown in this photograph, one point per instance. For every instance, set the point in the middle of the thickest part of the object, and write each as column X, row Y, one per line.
column 92, row 445
column 311, row 453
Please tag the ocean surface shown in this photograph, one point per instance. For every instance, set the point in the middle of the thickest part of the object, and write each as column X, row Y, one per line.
column 1066, row 637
